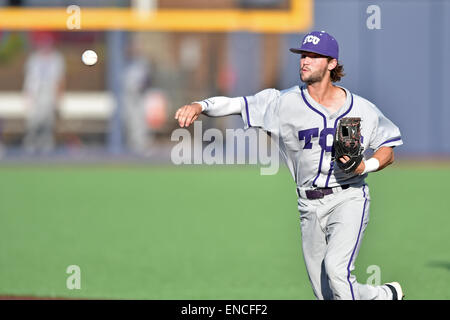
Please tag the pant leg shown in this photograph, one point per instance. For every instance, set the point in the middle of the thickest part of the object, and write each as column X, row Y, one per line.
column 39, row 129
column 344, row 232
column 31, row 134
column 314, row 247
column 46, row 139
column 135, row 123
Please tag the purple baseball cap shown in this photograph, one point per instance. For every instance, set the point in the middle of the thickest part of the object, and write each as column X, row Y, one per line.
column 319, row 42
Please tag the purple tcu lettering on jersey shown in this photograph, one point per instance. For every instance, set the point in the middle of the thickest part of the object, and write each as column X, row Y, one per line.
column 314, row 132
column 307, row 136
column 323, row 139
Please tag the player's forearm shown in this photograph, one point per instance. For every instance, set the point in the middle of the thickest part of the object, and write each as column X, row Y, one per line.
column 380, row 160
column 385, row 156
column 213, row 107
column 221, row 106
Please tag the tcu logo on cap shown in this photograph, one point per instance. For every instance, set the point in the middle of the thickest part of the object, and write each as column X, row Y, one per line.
column 313, row 39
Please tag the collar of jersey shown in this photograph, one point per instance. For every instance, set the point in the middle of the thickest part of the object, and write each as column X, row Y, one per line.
column 324, row 110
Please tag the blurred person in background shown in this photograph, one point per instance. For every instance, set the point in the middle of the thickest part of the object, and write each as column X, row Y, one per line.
column 136, row 81
column 43, row 89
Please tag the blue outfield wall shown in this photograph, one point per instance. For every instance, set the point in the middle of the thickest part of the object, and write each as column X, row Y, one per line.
column 403, row 67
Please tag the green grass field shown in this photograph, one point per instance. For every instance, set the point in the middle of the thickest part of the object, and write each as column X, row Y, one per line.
column 222, row 232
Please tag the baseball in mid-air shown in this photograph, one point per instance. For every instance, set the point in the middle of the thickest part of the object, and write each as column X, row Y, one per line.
column 89, row 57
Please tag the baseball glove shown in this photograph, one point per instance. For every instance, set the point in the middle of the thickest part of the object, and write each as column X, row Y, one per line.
column 347, row 142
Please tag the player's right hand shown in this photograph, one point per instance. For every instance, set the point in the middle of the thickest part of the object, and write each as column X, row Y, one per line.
column 188, row 114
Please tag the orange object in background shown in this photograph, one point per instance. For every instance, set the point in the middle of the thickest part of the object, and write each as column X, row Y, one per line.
column 156, row 109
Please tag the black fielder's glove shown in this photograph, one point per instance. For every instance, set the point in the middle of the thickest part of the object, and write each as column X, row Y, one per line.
column 347, row 142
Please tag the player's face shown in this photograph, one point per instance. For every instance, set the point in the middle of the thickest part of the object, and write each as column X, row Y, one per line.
column 313, row 67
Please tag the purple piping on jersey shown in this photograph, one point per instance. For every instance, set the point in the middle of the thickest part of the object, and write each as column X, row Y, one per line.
column 329, row 172
column 207, row 104
column 324, row 126
column 320, row 167
column 356, row 245
column 391, row 140
column 246, row 110
column 335, row 125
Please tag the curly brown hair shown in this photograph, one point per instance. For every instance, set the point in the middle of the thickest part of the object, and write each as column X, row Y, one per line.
column 337, row 73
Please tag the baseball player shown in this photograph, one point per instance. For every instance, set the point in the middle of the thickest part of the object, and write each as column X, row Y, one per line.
column 333, row 202
column 43, row 89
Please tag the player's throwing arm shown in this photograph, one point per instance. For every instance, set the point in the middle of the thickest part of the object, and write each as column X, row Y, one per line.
column 212, row 107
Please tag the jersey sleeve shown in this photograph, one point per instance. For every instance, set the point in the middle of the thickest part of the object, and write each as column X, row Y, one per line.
column 261, row 110
column 61, row 67
column 221, row 106
column 385, row 133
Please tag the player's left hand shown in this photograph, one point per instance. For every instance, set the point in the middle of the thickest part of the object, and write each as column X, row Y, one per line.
column 359, row 169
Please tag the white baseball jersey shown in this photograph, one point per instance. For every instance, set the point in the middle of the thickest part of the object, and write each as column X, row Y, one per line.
column 43, row 75
column 305, row 130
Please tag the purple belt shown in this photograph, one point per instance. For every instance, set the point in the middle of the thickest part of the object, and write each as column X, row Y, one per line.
column 321, row 192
